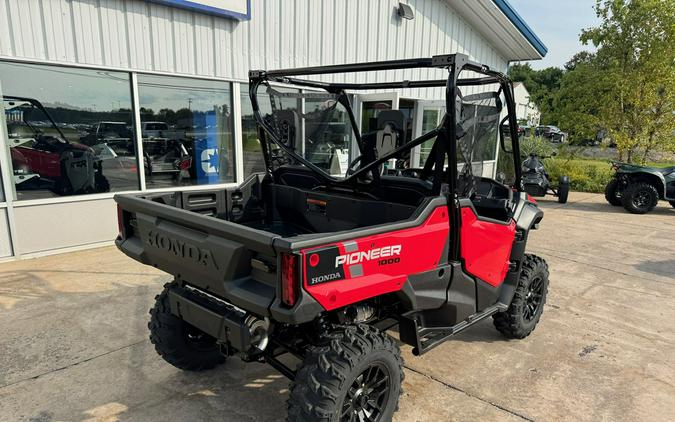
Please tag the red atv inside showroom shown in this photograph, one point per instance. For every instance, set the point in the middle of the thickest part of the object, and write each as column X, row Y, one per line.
column 42, row 154
column 341, row 241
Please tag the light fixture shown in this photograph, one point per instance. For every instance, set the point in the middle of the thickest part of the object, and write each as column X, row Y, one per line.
column 405, row 11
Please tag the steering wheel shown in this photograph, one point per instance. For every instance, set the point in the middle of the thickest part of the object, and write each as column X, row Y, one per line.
column 350, row 169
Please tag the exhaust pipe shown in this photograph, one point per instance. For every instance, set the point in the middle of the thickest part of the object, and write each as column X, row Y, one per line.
column 259, row 332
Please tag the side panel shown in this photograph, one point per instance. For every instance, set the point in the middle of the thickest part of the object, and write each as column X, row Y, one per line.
column 343, row 273
column 486, row 246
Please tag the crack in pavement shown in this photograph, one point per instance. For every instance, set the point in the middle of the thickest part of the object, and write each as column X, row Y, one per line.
column 453, row 387
column 72, row 364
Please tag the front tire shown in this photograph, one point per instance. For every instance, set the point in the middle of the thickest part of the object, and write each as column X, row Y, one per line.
column 639, row 198
column 354, row 375
column 178, row 342
column 672, row 203
column 611, row 193
column 522, row 316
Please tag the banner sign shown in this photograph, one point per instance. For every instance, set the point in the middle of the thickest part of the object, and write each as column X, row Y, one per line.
column 237, row 9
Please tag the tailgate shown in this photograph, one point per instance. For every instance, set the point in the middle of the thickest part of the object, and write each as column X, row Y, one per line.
column 210, row 253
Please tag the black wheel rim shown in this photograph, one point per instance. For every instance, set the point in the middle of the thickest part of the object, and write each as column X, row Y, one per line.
column 533, row 300
column 367, row 397
column 642, row 199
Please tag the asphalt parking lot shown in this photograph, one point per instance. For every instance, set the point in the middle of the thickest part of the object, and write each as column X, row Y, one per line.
column 74, row 346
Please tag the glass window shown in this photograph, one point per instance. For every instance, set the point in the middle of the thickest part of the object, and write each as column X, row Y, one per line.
column 186, row 125
column 70, row 131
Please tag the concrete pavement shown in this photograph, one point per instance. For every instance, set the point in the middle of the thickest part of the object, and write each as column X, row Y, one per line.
column 73, row 343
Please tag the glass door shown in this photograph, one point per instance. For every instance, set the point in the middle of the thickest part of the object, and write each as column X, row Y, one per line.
column 428, row 115
column 372, row 105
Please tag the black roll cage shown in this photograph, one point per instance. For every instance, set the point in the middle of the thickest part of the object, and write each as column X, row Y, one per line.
column 35, row 103
column 455, row 63
column 445, row 133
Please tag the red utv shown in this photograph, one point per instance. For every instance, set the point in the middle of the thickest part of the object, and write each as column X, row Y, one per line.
column 320, row 264
column 41, row 153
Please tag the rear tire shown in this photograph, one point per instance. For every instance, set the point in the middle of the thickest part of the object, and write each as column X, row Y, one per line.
column 639, row 198
column 101, row 183
column 178, row 342
column 522, row 316
column 611, row 193
column 563, row 189
column 356, row 370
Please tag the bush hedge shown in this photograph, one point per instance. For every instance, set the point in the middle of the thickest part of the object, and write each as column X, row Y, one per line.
column 585, row 175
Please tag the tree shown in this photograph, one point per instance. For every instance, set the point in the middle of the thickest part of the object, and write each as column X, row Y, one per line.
column 541, row 84
column 583, row 91
column 632, row 76
column 582, row 57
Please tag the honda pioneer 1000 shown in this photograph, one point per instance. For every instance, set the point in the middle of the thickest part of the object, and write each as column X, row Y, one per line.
column 320, row 255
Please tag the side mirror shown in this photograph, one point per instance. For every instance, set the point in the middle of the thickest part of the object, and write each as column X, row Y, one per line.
column 504, row 129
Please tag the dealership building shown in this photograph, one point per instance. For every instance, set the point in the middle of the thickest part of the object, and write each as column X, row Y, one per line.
column 109, row 96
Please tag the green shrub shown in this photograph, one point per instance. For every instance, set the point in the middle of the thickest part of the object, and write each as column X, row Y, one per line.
column 585, row 175
column 535, row 145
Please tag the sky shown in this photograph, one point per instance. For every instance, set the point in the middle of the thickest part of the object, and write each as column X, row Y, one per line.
column 558, row 23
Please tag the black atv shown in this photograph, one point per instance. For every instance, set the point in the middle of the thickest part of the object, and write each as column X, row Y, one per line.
column 536, row 180
column 639, row 188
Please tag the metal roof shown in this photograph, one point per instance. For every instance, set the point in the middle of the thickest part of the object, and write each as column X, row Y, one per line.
column 503, row 27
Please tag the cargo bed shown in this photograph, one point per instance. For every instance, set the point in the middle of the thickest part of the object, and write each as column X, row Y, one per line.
column 227, row 241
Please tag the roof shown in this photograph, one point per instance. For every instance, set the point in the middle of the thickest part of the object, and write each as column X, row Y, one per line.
column 522, row 26
column 499, row 22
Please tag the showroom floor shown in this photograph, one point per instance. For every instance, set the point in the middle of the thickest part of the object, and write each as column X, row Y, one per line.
column 74, row 346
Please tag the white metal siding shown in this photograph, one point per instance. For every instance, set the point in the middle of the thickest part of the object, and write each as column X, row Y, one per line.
column 139, row 35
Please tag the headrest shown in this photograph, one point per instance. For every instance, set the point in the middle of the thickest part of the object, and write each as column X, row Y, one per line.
column 395, row 118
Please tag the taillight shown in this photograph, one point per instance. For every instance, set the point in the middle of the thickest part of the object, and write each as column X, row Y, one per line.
column 289, row 282
column 120, row 221
column 185, row 163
